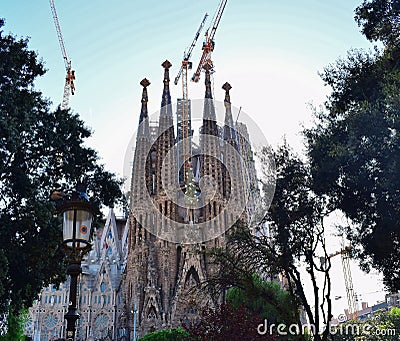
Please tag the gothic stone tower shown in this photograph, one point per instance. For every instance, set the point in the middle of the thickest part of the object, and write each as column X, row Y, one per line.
column 160, row 273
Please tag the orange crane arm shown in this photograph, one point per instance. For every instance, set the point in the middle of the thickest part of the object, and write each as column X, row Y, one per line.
column 208, row 45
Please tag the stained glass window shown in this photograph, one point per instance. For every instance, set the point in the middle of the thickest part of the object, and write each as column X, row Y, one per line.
column 101, row 321
column 51, row 321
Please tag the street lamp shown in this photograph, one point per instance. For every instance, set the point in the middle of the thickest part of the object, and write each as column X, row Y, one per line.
column 77, row 214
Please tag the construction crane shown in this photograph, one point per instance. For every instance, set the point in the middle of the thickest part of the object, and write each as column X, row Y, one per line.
column 208, row 45
column 69, row 87
column 185, row 116
column 348, row 280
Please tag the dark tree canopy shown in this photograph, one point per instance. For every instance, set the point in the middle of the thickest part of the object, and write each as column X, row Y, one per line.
column 40, row 150
column 354, row 148
column 380, row 20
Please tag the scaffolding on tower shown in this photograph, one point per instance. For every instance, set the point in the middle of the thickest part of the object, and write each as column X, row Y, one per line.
column 183, row 111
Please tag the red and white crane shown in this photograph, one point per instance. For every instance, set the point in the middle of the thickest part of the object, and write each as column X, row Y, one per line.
column 69, row 87
column 208, row 45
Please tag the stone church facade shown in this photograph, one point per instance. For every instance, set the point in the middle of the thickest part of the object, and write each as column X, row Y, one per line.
column 144, row 270
column 100, row 302
column 164, row 265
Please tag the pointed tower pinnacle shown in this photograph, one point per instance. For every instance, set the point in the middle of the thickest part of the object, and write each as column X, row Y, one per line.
column 144, row 116
column 140, row 174
column 229, row 129
column 166, row 97
column 166, row 138
column 208, row 67
column 209, row 110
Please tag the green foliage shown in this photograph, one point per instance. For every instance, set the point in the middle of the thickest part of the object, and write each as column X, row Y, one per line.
column 384, row 326
column 40, row 150
column 15, row 327
column 354, row 148
column 265, row 299
column 379, row 20
column 177, row 334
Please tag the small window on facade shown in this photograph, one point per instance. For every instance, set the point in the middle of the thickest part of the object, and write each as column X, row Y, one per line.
column 95, row 299
column 103, row 286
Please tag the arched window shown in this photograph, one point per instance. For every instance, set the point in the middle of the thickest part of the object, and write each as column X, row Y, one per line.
column 103, row 287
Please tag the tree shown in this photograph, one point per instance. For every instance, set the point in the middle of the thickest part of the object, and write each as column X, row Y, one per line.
column 226, row 321
column 383, row 326
column 266, row 299
column 15, row 327
column 40, row 150
column 177, row 334
column 354, row 147
column 294, row 243
column 379, row 20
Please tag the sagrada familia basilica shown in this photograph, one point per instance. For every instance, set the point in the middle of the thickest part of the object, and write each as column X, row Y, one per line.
column 184, row 196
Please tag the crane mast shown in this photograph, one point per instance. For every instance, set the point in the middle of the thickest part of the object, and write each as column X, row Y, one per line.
column 208, row 45
column 185, row 115
column 348, row 280
column 69, row 86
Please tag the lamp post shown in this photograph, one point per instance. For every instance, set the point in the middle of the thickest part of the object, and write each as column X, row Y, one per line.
column 77, row 214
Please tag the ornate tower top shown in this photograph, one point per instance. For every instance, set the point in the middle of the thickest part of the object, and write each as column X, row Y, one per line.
column 208, row 67
column 229, row 129
column 209, row 110
column 144, row 126
column 227, row 87
column 166, row 96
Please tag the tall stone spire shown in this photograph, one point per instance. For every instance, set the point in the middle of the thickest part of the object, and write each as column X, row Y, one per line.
column 210, row 165
column 207, row 66
column 229, row 129
column 144, row 115
column 209, row 110
column 232, row 172
column 166, row 96
column 140, row 160
column 166, row 138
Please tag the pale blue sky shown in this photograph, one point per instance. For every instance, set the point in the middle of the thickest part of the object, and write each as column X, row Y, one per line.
column 269, row 50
